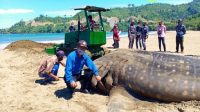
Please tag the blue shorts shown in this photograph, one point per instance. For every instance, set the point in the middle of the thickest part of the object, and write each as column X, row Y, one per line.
column 53, row 71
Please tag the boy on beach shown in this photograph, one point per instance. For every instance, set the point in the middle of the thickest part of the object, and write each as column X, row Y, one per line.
column 49, row 67
column 74, row 65
column 145, row 30
column 161, row 31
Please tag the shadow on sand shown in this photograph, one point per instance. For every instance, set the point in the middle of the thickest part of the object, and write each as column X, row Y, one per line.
column 63, row 93
column 43, row 82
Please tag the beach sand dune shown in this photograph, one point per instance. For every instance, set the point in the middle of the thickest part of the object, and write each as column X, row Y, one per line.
column 21, row 89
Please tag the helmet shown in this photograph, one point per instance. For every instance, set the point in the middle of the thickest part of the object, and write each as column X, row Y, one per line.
column 60, row 53
column 82, row 43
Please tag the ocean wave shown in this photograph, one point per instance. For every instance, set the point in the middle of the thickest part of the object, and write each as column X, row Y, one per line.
column 2, row 46
column 52, row 41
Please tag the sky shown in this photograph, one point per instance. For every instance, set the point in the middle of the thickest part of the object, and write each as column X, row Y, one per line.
column 12, row 11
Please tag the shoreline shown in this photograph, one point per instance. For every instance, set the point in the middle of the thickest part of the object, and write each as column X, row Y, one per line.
column 191, row 42
column 59, row 41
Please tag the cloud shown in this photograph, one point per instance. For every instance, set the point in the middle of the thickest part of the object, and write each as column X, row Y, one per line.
column 15, row 11
column 174, row 1
column 68, row 13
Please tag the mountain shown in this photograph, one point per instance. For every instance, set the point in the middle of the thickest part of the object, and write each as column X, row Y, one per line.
column 151, row 13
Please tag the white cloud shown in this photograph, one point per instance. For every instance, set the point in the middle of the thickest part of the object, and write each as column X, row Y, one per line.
column 68, row 13
column 174, row 1
column 15, row 11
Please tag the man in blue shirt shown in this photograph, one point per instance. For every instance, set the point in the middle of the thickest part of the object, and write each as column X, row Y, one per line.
column 74, row 65
column 180, row 32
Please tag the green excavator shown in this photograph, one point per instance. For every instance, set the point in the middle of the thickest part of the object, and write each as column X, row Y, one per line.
column 95, row 38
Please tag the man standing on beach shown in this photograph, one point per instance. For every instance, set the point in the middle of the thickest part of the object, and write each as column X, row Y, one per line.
column 161, row 31
column 145, row 31
column 74, row 65
column 138, row 35
column 180, row 32
column 50, row 65
column 131, row 34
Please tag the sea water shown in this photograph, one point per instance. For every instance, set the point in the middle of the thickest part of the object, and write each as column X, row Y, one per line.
column 6, row 39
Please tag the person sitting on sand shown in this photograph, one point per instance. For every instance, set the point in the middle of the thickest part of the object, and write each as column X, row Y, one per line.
column 74, row 65
column 50, row 65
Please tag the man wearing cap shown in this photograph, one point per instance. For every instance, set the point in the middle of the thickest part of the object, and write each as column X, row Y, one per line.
column 50, row 65
column 131, row 34
column 180, row 32
column 74, row 65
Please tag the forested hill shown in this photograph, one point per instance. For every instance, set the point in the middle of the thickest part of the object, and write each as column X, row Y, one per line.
column 152, row 13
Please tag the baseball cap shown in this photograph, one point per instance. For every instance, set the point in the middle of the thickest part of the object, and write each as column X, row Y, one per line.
column 60, row 53
column 82, row 43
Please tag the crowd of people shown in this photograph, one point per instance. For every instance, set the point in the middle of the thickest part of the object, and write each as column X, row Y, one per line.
column 140, row 34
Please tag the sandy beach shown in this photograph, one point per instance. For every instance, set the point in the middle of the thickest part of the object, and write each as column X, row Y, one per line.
column 21, row 89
